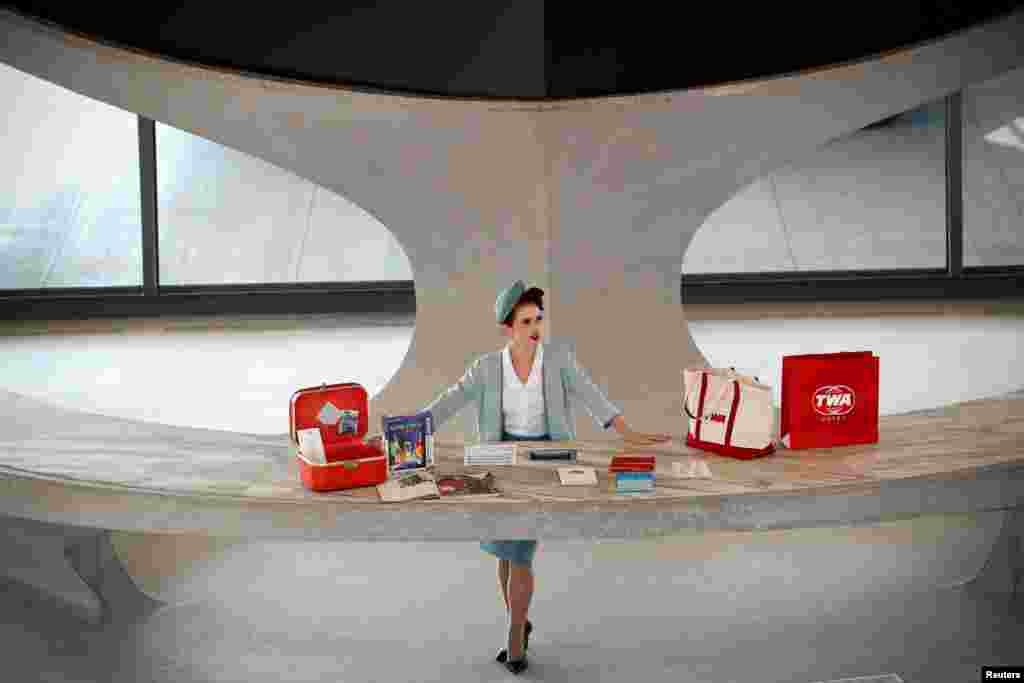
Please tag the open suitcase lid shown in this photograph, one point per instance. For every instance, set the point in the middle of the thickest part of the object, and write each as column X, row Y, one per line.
column 325, row 407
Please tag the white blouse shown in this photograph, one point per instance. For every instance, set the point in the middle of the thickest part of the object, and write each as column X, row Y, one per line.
column 523, row 404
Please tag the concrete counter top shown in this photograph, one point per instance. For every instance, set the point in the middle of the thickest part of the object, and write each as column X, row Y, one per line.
column 67, row 467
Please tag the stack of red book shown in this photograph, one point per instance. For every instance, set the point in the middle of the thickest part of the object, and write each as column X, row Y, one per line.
column 631, row 474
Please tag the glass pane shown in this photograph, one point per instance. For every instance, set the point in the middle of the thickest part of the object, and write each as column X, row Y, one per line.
column 228, row 218
column 70, row 212
column 993, row 130
column 872, row 200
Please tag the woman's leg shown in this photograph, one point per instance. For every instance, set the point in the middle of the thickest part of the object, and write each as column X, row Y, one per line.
column 503, row 573
column 520, row 592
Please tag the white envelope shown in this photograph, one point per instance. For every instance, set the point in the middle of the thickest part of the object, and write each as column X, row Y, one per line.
column 311, row 445
column 577, row 476
column 694, row 468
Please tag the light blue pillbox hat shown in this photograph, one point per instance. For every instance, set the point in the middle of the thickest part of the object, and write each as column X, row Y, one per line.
column 507, row 299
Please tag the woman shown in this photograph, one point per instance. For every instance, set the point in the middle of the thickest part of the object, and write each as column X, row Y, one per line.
column 523, row 393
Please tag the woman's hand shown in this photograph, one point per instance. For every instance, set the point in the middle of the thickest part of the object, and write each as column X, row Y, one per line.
column 638, row 438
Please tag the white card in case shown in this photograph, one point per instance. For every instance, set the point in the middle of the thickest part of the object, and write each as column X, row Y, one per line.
column 311, row 445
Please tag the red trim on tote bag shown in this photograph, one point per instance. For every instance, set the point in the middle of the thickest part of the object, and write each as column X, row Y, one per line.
column 732, row 414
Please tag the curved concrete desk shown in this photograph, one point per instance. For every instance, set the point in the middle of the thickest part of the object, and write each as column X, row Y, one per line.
column 64, row 473
column 68, row 467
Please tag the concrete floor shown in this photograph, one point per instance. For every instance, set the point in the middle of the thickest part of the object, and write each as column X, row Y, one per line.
column 798, row 613
column 431, row 612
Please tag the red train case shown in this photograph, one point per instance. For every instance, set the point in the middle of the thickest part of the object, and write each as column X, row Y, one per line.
column 351, row 462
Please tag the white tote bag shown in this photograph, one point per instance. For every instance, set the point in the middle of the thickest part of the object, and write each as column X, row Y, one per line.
column 728, row 413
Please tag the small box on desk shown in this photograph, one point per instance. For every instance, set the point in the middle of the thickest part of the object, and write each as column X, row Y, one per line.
column 553, row 454
column 631, row 474
column 489, row 454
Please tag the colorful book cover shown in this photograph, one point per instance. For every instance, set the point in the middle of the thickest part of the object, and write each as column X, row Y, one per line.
column 634, row 487
column 634, row 482
column 625, row 482
column 634, row 475
column 409, row 440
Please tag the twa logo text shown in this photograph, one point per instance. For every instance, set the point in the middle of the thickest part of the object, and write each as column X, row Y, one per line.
column 834, row 399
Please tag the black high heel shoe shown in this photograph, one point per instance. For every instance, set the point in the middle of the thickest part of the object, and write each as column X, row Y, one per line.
column 517, row 666
column 503, row 655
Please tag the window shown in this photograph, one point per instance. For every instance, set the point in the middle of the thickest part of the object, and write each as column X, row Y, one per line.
column 70, row 212
column 228, row 218
column 993, row 175
column 872, row 200
column 71, row 216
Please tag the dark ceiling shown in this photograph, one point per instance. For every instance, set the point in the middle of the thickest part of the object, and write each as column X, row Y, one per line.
column 517, row 49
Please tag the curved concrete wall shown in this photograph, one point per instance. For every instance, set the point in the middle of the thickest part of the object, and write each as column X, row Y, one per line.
column 876, row 199
column 593, row 200
column 921, row 553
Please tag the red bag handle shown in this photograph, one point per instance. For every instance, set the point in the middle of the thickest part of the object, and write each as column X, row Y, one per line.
column 721, row 396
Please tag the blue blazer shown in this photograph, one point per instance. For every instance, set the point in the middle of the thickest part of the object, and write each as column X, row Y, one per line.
column 564, row 383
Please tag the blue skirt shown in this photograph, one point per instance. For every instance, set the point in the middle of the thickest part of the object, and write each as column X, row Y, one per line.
column 516, row 552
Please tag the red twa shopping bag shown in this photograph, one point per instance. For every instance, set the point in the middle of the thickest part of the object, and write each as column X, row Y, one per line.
column 829, row 399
